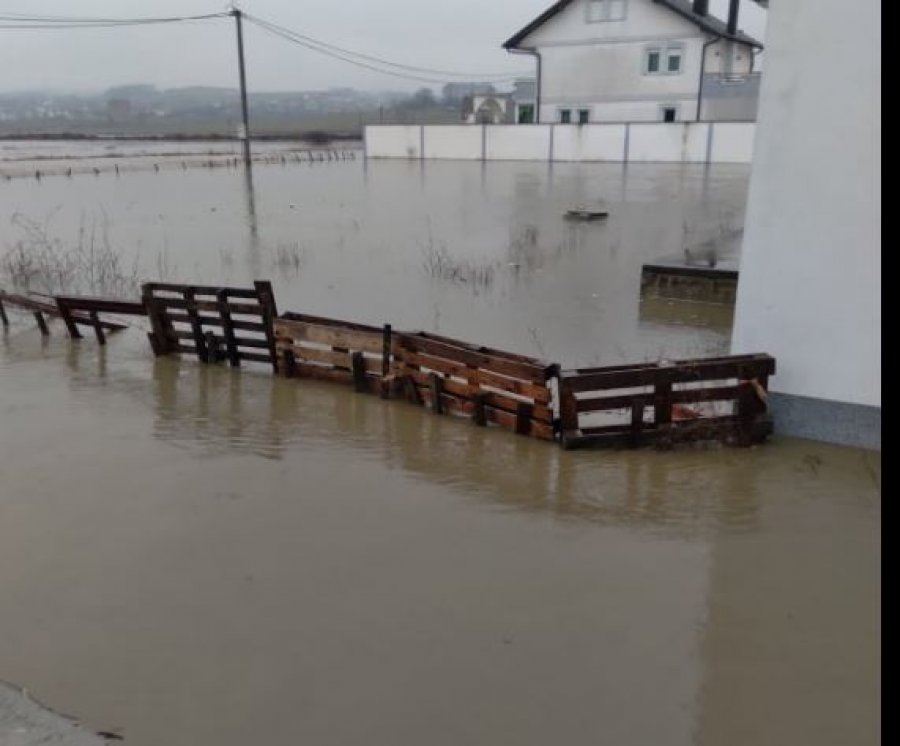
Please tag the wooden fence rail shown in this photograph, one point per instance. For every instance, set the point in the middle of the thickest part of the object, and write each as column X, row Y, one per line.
column 719, row 398
column 213, row 323
column 484, row 384
column 640, row 404
column 331, row 350
column 73, row 310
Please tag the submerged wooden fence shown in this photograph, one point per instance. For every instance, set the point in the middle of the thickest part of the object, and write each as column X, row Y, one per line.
column 213, row 323
column 714, row 398
column 722, row 398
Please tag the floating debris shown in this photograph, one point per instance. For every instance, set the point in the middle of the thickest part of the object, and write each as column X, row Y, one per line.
column 587, row 215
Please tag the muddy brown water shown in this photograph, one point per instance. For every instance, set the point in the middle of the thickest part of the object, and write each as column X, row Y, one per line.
column 191, row 555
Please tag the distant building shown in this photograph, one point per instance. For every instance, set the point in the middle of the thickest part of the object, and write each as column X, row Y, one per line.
column 456, row 92
column 639, row 60
column 524, row 97
column 489, row 109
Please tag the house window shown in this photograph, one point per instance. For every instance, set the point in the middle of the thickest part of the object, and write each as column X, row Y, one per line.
column 526, row 113
column 584, row 116
column 669, row 113
column 565, row 116
column 673, row 60
column 666, row 60
column 599, row 11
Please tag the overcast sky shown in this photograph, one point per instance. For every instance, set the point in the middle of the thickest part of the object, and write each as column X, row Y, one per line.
column 455, row 35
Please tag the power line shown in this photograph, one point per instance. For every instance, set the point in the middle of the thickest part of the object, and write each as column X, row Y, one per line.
column 348, row 52
column 21, row 21
column 23, row 18
column 386, row 67
column 342, row 58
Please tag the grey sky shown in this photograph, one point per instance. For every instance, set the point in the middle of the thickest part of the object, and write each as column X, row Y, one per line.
column 456, row 35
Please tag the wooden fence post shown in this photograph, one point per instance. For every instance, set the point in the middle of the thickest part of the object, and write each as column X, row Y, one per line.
column 3, row 317
column 234, row 358
column 637, row 421
column 386, row 346
column 437, row 387
column 42, row 324
column 748, row 406
column 358, row 367
column 159, row 340
column 411, row 390
column 662, row 406
column 266, row 297
column 196, row 326
column 98, row 330
column 524, row 413
column 568, row 413
column 213, row 353
column 66, row 314
column 479, row 417
column 290, row 364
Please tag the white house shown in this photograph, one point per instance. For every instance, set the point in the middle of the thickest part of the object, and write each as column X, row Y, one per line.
column 640, row 60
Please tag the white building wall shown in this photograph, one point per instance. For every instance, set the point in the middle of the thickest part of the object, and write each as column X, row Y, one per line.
column 394, row 142
column 591, row 143
column 810, row 287
column 570, row 26
column 732, row 142
column 672, row 143
column 517, row 143
column 601, row 65
column 718, row 54
column 627, row 111
column 452, row 142
column 692, row 142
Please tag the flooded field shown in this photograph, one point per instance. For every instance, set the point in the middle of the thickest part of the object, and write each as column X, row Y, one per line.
column 480, row 252
column 193, row 556
column 27, row 158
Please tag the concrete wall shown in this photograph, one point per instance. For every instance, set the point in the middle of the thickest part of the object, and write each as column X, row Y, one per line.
column 394, row 142
column 810, row 288
column 589, row 143
column 681, row 143
column 453, row 142
column 725, row 142
column 517, row 143
column 732, row 143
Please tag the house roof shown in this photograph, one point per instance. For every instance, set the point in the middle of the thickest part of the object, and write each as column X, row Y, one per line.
column 684, row 8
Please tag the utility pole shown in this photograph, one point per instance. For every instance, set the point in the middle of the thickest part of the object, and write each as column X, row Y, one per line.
column 238, row 18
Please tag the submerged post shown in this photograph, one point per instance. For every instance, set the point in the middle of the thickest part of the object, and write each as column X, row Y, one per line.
column 238, row 19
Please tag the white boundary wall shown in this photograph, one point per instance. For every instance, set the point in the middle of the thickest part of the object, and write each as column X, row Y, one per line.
column 648, row 142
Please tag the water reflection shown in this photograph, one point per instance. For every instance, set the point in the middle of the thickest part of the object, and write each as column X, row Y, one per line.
column 221, row 411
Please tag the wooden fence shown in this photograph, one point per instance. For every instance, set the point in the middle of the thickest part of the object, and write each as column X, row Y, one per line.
column 721, row 398
column 715, row 398
column 484, row 384
column 213, row 323
column 331, row 350
column 72, row 310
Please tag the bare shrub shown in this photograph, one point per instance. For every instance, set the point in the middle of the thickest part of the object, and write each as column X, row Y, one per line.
column 36, row 261
column 438, row 264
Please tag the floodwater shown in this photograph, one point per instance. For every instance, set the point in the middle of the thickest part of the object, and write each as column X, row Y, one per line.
column 480, row 252
column 192, row 555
